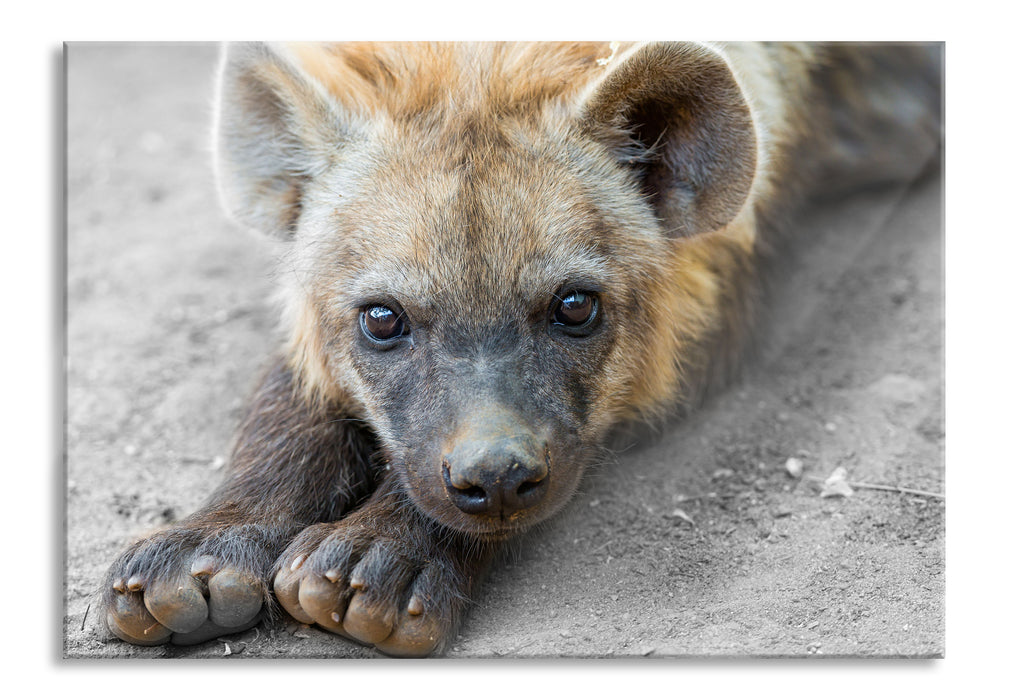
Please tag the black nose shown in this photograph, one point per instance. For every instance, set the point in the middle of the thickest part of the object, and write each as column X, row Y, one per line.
column 496, row 482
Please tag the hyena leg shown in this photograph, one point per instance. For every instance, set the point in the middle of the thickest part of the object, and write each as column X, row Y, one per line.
column 208, row 574
column 385, row 575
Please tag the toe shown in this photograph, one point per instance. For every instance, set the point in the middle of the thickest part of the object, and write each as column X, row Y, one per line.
column 324, row 601
column 414, row 636
column 286, row 585
column 367, row 621
column 177, row 604
column 235, row 597
column 129, row 620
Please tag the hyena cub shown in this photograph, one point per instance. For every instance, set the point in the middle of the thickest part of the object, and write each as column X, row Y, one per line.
column 495, row 254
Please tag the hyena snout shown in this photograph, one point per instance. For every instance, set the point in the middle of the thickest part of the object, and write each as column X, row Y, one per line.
column 496, row 468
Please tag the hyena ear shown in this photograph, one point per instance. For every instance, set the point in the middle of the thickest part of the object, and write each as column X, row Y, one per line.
column 675, row 115
column 276, row 130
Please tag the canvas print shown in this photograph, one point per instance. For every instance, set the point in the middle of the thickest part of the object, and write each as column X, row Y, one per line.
column 530, row 350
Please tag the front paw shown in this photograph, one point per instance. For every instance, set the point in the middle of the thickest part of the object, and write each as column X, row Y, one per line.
column 187, row 585
column 390, row 590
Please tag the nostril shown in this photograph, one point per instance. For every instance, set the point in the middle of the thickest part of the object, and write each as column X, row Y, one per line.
column 531, row 491
column 528, row 487
column 473, row 492
column 469, row 499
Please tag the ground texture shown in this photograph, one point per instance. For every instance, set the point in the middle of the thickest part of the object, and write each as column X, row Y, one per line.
column 696, row 541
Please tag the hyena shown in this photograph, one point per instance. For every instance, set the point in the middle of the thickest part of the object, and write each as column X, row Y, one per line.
column 495, row 253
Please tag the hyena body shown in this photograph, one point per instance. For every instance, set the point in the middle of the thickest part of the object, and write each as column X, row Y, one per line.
column 495, row 253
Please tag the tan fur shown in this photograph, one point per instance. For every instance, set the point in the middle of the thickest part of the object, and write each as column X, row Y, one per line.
column 469, row 181
column 493, row 253
column 447, row 88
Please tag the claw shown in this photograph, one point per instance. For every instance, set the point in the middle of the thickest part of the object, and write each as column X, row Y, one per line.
column 416, row 607
column 206, row 565
column 136, row 583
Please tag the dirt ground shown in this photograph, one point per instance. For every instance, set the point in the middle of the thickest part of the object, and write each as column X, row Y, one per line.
column 695, row 542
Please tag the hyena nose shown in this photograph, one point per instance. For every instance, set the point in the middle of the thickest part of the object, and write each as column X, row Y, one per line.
column 496, row 482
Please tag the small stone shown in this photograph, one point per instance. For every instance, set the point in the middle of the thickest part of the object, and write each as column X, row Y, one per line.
column 830, row 427
column 794, row 467
column 837, row 484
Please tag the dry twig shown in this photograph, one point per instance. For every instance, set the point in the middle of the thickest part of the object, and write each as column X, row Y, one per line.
column 883, row 487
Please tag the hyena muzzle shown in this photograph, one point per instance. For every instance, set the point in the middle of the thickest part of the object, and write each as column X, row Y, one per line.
column 493, row 255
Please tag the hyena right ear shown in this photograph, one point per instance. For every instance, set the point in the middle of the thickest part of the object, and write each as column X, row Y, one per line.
column 674, row 114
column 277, row 128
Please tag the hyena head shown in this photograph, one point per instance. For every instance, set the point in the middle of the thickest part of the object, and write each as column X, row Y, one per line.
column 483, row 243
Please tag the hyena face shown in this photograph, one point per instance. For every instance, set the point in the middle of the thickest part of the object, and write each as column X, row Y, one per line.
column 480, row 299
column 473, row 266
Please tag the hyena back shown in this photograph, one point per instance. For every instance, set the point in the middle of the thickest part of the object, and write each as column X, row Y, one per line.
column 495, row 253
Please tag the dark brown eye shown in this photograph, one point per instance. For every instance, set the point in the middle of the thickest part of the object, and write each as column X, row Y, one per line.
column 575, row 309
column 382, row 324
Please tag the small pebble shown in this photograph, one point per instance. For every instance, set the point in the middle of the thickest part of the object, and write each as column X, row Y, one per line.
column 794, row 467
column 837, row 484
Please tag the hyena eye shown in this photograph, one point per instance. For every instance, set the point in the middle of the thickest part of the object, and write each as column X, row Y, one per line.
column 575, row 310
column 381, row 324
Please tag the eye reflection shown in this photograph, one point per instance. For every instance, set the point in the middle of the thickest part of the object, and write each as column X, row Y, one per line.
column 575, row 309
column 381, row 323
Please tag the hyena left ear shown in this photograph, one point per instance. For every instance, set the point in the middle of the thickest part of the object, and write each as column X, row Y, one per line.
column 675, row 115
column 276, row 130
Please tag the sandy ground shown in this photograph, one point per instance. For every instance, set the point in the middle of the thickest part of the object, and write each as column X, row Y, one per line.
column 696, row 542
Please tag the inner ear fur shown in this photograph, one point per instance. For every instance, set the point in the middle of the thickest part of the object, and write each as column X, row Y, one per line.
column 277, row 128
column 675, row 115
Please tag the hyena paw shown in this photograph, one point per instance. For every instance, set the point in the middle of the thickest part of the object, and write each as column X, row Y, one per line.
column 185, row 586
column 381, row 590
